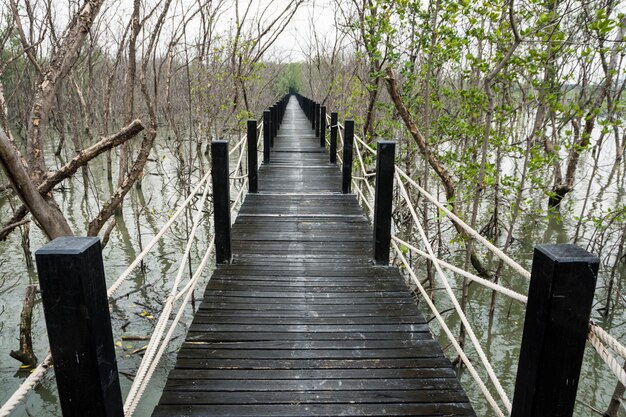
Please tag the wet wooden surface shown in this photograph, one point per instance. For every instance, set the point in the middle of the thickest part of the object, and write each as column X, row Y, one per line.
column 302, row 323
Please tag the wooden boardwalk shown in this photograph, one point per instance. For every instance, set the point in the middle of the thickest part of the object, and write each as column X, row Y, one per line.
column 302, row 323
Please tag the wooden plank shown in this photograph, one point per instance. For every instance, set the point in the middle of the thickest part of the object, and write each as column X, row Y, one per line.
column 373, row 365
column 260, row 410
column 268, row 374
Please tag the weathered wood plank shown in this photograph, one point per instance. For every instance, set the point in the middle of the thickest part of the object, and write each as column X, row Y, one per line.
column 349, row 409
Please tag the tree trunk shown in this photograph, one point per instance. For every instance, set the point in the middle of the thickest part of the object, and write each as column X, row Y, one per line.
column 434, row 162
column 25, row 354
column 32, row 197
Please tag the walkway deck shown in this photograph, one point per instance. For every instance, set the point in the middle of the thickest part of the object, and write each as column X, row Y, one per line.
column 302, row 323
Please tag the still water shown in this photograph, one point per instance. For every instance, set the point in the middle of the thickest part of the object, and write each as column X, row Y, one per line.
column 137, row 303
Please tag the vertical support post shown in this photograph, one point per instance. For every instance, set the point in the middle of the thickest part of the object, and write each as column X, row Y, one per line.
column 333, row 136
column 313, row 115
column 76, row 308
column 346, row 168
column 562, row 284
column 272, row 125
column 266, row 137
column 277, row 119
column 317, row 119
column 383, row 199
column 253, row 183
column 323, row 126
column 221, row 200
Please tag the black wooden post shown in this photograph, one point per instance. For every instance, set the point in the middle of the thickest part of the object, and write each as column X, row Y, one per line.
column 74, row 295
column 562, row 284
column 274, row 111
column 272, row 125
column 333, row 136
column 221, row 200
column 346, row 169
column 266, row 137
column 253, row 183
column 275, row 123
column 383, row 199
column 313, row 106
column 323, row 126
column 317, row 119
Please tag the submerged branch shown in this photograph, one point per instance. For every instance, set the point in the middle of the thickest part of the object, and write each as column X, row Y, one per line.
column 70, row 168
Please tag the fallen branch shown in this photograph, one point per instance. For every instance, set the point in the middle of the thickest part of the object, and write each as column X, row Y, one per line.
column 70, row 168
column 26, row 354
column 10, row 227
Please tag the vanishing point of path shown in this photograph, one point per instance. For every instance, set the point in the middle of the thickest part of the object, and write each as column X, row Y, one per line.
column 302, row 323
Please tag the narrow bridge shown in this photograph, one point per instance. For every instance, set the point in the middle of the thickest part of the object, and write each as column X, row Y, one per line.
column 301, row 322
column 303, row 314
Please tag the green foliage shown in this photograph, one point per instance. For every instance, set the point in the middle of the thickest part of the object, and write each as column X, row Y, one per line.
column 290, row 78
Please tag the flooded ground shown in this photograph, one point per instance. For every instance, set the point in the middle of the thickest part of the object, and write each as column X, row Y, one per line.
column 137, row 303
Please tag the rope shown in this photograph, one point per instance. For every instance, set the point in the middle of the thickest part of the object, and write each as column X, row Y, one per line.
column 608, row 359
column 484, row 282
column 160, row 327
column 340, row 143
column 444, row 280
column 362, row 197
column 132, row 402
column 608, row 339
column 26, row 386
column 473, row 233
column 240, row 196
column 446, row 329
column 239, row 166
column 156, row 238
column 362, row 166
column 237, row 145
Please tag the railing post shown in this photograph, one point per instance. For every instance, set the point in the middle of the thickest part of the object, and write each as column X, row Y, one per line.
column 385, row 155
column 76, row 309
column 346, row 168
column 560, row 295
column 274, row 122
column 266, row 137
column 272, row 125
column 323, row 126
column 221, row 200
column 313, row 105
column 253, row 183
column 317, row 119
column 333, row 137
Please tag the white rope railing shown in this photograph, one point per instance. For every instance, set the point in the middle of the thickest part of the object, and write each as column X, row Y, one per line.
column 132, row 402
column 444, row 281
column 482, row 281
column 26, row 386
column 606, row 356
column 142, row 372
column 241, row 141
column 118, row 282
column 340, row 143
column 444, row 326
column 608, row 339
column 471, row 232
